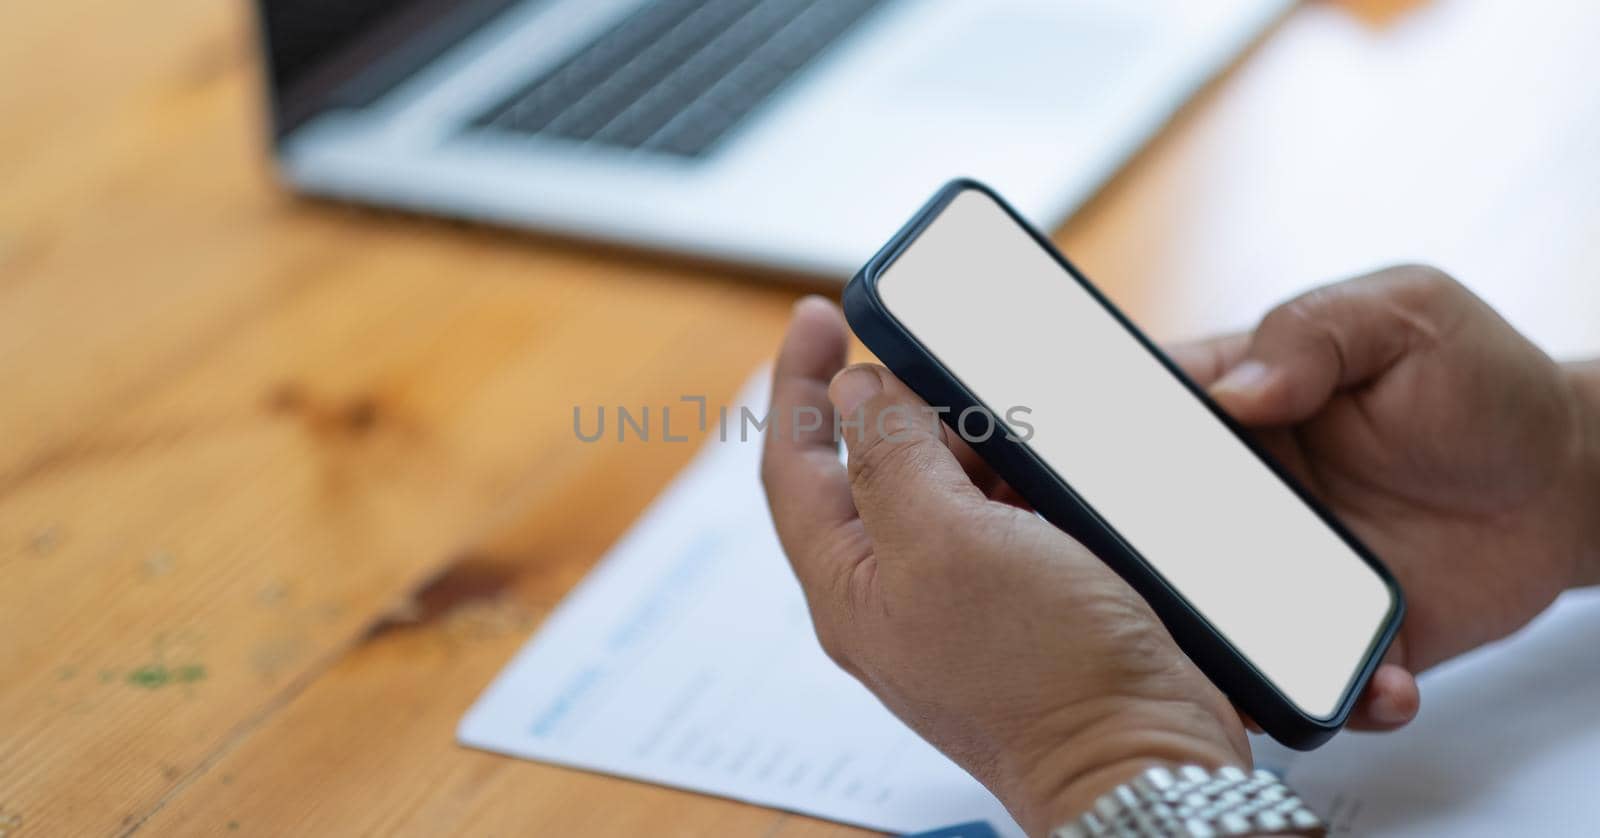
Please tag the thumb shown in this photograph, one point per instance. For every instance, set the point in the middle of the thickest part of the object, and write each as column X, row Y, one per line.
column 1335, row 337
column 902, row 473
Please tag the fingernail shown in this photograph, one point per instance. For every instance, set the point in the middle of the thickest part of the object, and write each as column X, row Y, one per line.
column 810, row 301
column 852, row 388
column 1245, row 379
column 1386, row 710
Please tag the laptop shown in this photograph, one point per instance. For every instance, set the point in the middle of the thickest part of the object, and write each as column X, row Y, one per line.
column 789, row 134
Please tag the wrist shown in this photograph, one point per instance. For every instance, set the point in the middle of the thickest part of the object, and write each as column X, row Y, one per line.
column 1110, row 744
column 1585, row 378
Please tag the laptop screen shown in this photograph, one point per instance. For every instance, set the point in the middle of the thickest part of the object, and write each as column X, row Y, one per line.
column 324, row 54
column 302, row 33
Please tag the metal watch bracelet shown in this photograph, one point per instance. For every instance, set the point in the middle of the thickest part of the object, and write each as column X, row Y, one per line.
column 1194, row 802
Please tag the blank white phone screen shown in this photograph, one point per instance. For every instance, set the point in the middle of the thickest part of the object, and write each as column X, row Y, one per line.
column 1152, row 461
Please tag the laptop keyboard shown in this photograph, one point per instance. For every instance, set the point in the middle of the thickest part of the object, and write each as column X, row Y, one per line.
column 676, row 76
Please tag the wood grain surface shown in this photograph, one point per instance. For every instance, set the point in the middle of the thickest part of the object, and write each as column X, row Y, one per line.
column 283, row 484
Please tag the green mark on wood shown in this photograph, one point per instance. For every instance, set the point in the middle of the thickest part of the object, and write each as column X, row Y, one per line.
column 157, row 675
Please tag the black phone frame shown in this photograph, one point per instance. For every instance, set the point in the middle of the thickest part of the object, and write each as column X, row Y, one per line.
column 1054, row 498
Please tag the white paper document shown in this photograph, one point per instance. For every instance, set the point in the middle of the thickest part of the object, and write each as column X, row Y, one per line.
column 686, row 658
column 1507, row 743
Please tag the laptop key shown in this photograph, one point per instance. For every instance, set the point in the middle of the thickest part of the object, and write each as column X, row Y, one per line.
column 676, row 76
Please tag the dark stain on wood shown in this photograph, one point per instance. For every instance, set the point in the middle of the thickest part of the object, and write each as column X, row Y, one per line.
column 351, row 417
column 470, row 581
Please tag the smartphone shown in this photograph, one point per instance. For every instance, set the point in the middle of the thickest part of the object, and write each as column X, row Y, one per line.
column 1276, row 601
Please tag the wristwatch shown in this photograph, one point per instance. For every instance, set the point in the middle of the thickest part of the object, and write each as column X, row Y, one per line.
column 1193, row 802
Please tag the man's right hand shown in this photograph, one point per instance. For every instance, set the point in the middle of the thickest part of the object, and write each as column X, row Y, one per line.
column 1465, row 457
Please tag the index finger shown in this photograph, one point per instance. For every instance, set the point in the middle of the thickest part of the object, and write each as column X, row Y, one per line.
column 807, row 488
column 1205, row 360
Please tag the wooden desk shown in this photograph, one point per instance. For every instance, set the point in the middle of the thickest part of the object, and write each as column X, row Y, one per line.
column 282, row 485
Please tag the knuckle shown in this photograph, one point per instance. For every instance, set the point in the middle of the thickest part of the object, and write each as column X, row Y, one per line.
column 883, row 459
column 828, row 637
column 834, row 596
column 1307, row 310
column 1429, row 290
column 1427, row 280
column 1426, row 299
column 1418, row 286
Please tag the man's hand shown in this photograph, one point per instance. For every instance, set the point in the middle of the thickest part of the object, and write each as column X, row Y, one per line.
column 1465, row 457
column 988, row 631
column 1457, row 450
